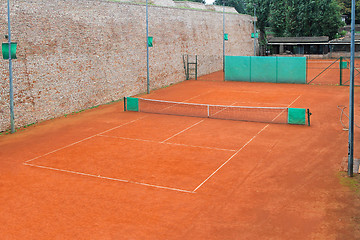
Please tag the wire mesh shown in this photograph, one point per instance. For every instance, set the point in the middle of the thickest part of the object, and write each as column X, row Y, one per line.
column 239, row 113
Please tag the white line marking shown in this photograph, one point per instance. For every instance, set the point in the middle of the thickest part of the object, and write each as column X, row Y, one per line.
column 108, row 178
column 183, row 131
column 212, row 174
column 169, row 143
column 199, row 95
column 56, row 150
column 223, row 109
column 230, row 158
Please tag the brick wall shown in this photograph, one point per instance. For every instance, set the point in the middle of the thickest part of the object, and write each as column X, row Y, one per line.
column 76, row 54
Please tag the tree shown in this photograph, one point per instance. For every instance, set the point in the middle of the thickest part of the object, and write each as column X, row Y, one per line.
column 262, row 8
column 239, row 5
column 278, row 11
column 345, row 9
column 200, row 1
column 302, row 18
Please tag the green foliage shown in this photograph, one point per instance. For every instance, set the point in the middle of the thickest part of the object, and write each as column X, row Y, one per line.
column 278, row 11
column 298, row 18
column 262, row 8
column 239, row 5
column 345, row 9
column 200, row 1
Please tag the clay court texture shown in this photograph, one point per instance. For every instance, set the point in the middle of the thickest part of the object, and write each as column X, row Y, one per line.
column 109, row 174
column 330, row 72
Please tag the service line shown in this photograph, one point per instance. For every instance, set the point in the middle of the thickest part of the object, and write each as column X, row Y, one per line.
column 74, row 143
column 169, row 143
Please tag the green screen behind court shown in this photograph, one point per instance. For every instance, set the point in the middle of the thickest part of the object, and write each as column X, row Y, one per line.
column 265, row 69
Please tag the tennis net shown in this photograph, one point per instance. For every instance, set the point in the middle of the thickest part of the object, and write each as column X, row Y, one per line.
column 239, row 113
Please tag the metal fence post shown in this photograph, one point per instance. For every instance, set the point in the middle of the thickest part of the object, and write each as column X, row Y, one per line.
column 341, row 61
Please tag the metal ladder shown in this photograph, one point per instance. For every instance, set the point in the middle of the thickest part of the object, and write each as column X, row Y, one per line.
column 190, row 67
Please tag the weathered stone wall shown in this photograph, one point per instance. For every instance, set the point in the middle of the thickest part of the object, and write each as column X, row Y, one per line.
column 75, row 54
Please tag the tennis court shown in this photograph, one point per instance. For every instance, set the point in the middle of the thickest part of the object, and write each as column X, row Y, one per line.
column 332, row 71
column 110, row 174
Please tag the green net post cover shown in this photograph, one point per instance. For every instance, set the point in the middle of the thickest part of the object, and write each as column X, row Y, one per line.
column 5, row 50
column 297, row 116
column 150, row 41
column 343, row 65
column 226, row 36
column 132, row 104
column 256, row 35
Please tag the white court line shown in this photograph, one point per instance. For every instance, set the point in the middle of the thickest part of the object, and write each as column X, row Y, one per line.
column 91, row 175
column 212, row 174
column 198, row 95
column 72, row 144
column 183, row 131
column 170, row 143
column 191, row 125
column 224, row 109
column 108, row 178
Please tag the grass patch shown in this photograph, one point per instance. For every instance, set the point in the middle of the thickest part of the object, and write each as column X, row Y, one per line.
column 6, row 132
column 351, row 182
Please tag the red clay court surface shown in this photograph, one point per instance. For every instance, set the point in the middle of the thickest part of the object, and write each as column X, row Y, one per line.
column 109, row 174
column 327, row 71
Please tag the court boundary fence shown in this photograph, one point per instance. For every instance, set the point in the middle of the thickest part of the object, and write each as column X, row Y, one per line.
column 339, row 66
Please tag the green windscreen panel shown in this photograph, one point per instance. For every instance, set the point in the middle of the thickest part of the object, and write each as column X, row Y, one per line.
column 297, row 116
column 291, row 70
column 343, row 65
column 132, row 104
column 263, row 69
column 237, row 68
column 5, row 50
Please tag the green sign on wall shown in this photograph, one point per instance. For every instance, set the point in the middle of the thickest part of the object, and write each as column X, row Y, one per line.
column 150, row 41
column 5, row 50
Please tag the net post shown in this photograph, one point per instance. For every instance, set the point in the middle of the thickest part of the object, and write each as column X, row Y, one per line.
column 307, row 67
column 195, row 67
column 341, row 61
column 208, row 111
column 124, row 104
column 187, row 63
column 308, row 116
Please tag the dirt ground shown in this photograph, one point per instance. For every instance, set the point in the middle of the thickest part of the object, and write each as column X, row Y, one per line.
column 109, row 174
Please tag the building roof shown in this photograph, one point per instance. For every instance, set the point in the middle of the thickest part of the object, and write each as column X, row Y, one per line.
column 345, row 40
column 322, row 39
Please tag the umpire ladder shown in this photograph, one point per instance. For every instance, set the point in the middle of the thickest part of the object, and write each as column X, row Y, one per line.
column 190, row 67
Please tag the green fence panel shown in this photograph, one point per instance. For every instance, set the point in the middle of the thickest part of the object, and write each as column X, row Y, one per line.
column 132, row 104
column 263, row 69
column 237, row 68
column 297, row 116
column 291, row 70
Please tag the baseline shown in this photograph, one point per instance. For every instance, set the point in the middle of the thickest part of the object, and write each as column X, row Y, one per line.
column 80, row 141
column 108, row 178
